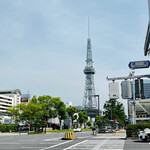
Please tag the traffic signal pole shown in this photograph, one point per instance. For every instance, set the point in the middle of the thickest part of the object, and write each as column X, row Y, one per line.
column 134, row 108
column 132, row 77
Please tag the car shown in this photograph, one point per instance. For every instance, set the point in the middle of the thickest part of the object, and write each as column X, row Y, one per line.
column 103, row 129
column 144, row 135
column 77, row 130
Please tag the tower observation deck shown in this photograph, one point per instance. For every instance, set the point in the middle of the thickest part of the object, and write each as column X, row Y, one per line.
column 89, row 101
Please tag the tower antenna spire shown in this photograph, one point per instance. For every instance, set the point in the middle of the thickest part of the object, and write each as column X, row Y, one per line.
column 88, row 27
column 89, row 102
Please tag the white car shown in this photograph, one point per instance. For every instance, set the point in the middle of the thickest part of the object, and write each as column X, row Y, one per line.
column 77, row 130
column 144, row 135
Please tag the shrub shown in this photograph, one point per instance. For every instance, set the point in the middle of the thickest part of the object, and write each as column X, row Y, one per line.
column 35, row 133
column 8, row 128
column 60, row 130
column 133, row 129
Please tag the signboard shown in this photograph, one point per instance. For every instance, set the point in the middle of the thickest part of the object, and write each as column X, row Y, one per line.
column 139, row 64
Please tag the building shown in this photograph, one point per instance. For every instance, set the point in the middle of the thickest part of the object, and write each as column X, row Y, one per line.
column 142, row 106
column 78, row 107
column 5, row 102
column 9, row 98
column 142, row 110
column 25, row 98
column 146, row 89
column 68, row 104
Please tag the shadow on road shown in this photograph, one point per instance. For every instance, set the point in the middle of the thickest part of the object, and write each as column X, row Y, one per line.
column 140, row 141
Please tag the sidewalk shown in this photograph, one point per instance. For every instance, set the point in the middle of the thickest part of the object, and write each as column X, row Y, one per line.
column 118, row 134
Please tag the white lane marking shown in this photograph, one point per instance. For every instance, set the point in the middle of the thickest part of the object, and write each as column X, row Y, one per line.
column 100, row 145
column 83, row 137
column 10, row 148
column 10, row 143
column 75, row 145
column 56, row 145
column 31, row 147
column 26, row 140
column 51, row 139
column 112, row 137
column 49, row 143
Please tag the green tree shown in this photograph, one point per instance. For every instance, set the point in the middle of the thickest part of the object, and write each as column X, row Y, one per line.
column 14, row 113
column 114, row 110
column 45, row 103
column 33, row 114
column 89, row 123
column 0, row 118
column 102, row 118
column 83, row 117
column 71, row 111
column 61, row 111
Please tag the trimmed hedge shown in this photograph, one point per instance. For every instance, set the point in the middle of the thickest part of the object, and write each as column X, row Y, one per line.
column 36, row 133
column 60, row 130
column 8, row 128
column 132, row 130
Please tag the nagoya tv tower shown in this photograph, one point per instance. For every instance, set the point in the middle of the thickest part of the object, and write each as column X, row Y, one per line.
column 89, row 101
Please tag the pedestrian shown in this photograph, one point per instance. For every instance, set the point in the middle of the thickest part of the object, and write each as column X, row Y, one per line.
column 94, row 130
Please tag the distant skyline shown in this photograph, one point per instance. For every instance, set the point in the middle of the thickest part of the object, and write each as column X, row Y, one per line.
column 43, row 44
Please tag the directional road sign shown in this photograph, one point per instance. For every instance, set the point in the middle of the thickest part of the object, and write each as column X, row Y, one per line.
column 139, row 64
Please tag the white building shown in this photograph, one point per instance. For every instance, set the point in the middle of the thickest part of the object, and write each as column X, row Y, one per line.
column 9, row 98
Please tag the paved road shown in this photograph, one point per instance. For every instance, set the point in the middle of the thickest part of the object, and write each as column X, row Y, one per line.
column 136, row 144
column 113, row 141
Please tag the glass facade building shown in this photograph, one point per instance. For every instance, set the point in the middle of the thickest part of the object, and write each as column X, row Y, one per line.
column 146, row 84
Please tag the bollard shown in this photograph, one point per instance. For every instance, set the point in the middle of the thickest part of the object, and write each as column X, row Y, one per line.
column 70, row 136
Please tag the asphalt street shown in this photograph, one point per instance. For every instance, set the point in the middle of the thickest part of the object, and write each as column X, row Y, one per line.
column 136, row 144
column 107, row 141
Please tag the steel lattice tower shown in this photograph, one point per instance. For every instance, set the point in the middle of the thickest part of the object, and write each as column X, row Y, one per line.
column 89, row 101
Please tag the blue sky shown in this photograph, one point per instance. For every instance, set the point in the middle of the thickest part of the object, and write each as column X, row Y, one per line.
column 43, row 44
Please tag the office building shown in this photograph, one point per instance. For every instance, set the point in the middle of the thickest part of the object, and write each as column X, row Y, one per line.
column 9, row 98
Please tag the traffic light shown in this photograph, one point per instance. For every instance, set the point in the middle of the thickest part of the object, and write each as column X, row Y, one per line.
column 139, row 88
column 114, row 90
column 126, row 91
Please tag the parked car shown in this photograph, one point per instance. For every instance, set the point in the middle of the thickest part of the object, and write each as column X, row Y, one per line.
column 77, row 130
column 144, row 135
column 103, row 129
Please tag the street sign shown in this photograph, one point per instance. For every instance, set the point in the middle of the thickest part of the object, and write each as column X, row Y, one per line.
column 139, row 64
